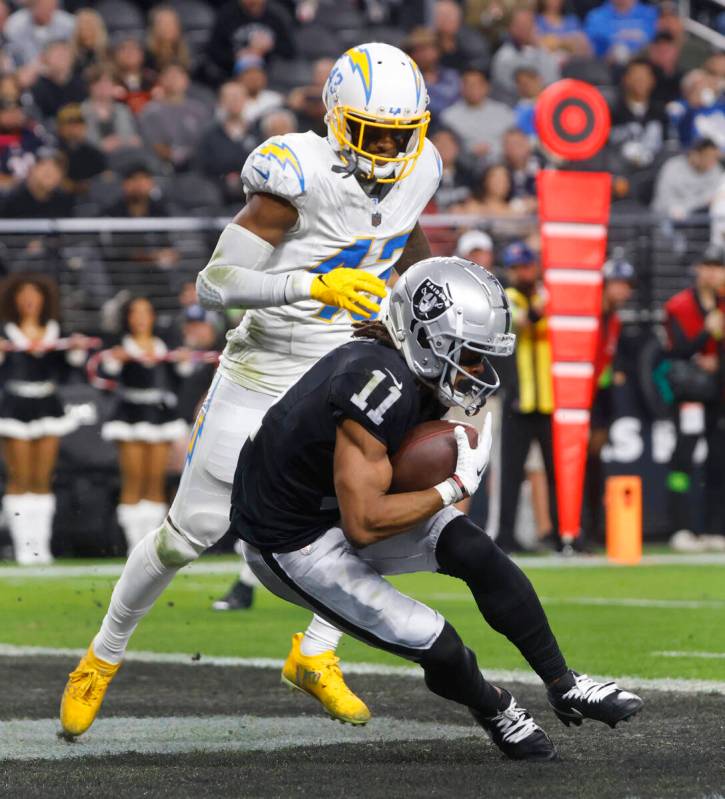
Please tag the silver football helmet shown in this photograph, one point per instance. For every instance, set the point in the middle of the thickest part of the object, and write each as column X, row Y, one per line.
column 446, row 314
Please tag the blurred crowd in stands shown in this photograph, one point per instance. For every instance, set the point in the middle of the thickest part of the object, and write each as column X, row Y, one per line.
column 94, row 95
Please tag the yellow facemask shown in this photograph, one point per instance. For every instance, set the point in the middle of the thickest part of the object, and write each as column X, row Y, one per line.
column 350, row 126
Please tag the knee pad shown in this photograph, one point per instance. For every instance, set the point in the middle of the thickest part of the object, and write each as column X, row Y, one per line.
column 173, row 548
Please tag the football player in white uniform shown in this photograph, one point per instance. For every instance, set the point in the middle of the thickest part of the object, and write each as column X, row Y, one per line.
column 326, row 221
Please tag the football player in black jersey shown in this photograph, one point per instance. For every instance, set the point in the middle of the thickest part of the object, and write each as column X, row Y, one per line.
column 310, row 502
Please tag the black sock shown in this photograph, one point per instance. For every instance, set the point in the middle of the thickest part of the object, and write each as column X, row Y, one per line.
column 503, row 593
column 451, row 671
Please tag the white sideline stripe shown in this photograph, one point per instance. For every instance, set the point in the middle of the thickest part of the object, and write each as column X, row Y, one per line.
column 574, row 230
column 707, row 655
column 26, row 739
column 378, row 669
column 624, row 602
column 208, row 567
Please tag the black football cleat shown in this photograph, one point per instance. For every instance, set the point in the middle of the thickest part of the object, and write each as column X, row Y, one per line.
column 579, row 697
column 516, row 733
column 239, row 597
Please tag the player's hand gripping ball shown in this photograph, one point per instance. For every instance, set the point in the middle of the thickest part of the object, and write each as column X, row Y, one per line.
column 428, row 455
column 343, row 288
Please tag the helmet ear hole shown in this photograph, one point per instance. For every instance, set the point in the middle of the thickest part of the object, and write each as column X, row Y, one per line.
column 422, row 339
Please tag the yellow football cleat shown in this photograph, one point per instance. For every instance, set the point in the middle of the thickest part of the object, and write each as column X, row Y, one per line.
column 84, row 692
column 320, row 676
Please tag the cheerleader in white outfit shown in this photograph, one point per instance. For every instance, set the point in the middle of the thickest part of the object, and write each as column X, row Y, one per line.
column 32, row 418
column 144, row 421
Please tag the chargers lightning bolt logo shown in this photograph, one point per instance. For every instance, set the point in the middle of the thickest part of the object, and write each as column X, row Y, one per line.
column 285, row 156
column 361, row 63
column 418, row 81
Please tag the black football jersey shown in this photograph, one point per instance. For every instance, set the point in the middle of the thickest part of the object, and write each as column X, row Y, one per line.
column 284, row 495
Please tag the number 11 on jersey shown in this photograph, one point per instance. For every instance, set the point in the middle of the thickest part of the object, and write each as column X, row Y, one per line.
column 360, row 399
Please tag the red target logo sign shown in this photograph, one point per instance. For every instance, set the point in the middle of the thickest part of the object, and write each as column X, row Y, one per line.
column 572, row 119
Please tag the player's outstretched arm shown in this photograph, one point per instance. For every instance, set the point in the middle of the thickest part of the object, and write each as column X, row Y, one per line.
column 362, row 477
column 235, row 276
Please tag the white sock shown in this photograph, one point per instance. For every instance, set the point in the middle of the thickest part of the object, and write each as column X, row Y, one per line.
column 247, row 576
column 132, row 519
column 143, row 580
column 43, row 510
column 320, row 636
column 154, row 513
column 19, row 512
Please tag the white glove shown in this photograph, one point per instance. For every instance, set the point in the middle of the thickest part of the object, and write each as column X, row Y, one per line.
column 470, row 466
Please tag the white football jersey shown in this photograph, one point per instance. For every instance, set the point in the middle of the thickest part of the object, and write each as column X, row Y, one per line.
column 338, row 225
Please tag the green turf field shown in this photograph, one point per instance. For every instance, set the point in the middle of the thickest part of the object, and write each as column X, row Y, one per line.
column 609, row 620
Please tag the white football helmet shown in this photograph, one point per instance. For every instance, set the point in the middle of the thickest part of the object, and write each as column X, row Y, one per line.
column 376, row 85
column 446, row 314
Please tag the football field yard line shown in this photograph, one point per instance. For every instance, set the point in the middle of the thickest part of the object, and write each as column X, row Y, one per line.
column 684, row 654
column 208, row 566
column 36, row 739
column 624, row 602
column 686, row 686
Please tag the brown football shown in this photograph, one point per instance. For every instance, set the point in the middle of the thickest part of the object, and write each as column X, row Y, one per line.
column 427, row 455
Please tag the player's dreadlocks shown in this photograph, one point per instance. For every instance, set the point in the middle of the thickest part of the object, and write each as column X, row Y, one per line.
column 375, row 330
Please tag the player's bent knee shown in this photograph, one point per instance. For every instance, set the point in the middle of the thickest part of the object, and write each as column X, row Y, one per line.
column 446, row 649
column 173, row 548
column 463, row 547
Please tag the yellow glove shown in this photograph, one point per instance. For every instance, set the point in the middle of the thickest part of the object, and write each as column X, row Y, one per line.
column 341, row 287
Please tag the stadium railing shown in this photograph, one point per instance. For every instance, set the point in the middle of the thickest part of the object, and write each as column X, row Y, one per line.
column 99, row 262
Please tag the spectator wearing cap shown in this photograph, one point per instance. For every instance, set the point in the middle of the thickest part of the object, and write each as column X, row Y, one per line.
column 664, row 55
column 695, row 324
column 528, row 399
column 246, row 28
column 476, row 246
column 140, row 197
column 251, row 74
column 147, row 256
column 461, row 47
column 29, row 30
column 84, row 160
column 521, row 49
column 172, row 124
column 560, row 33
column 619, row 278
column 134, row 80
column 618, row 29
column 688, row 182
column 225, row 145
column 41, row 195
column 456, row 173
column 701, row 111
column 110, row 125
column 478, row 121
column 528, row 88
column 59, row 83
column 639, row 123
column 20, row 137
column 443, row 83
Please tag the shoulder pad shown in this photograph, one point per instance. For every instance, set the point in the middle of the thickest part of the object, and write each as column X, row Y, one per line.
column 431, row 151
column 277, row 167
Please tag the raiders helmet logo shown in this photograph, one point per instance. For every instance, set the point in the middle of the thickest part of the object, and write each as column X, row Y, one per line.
column 430, row 301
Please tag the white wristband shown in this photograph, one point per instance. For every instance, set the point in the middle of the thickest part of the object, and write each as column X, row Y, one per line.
column 450, row 491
